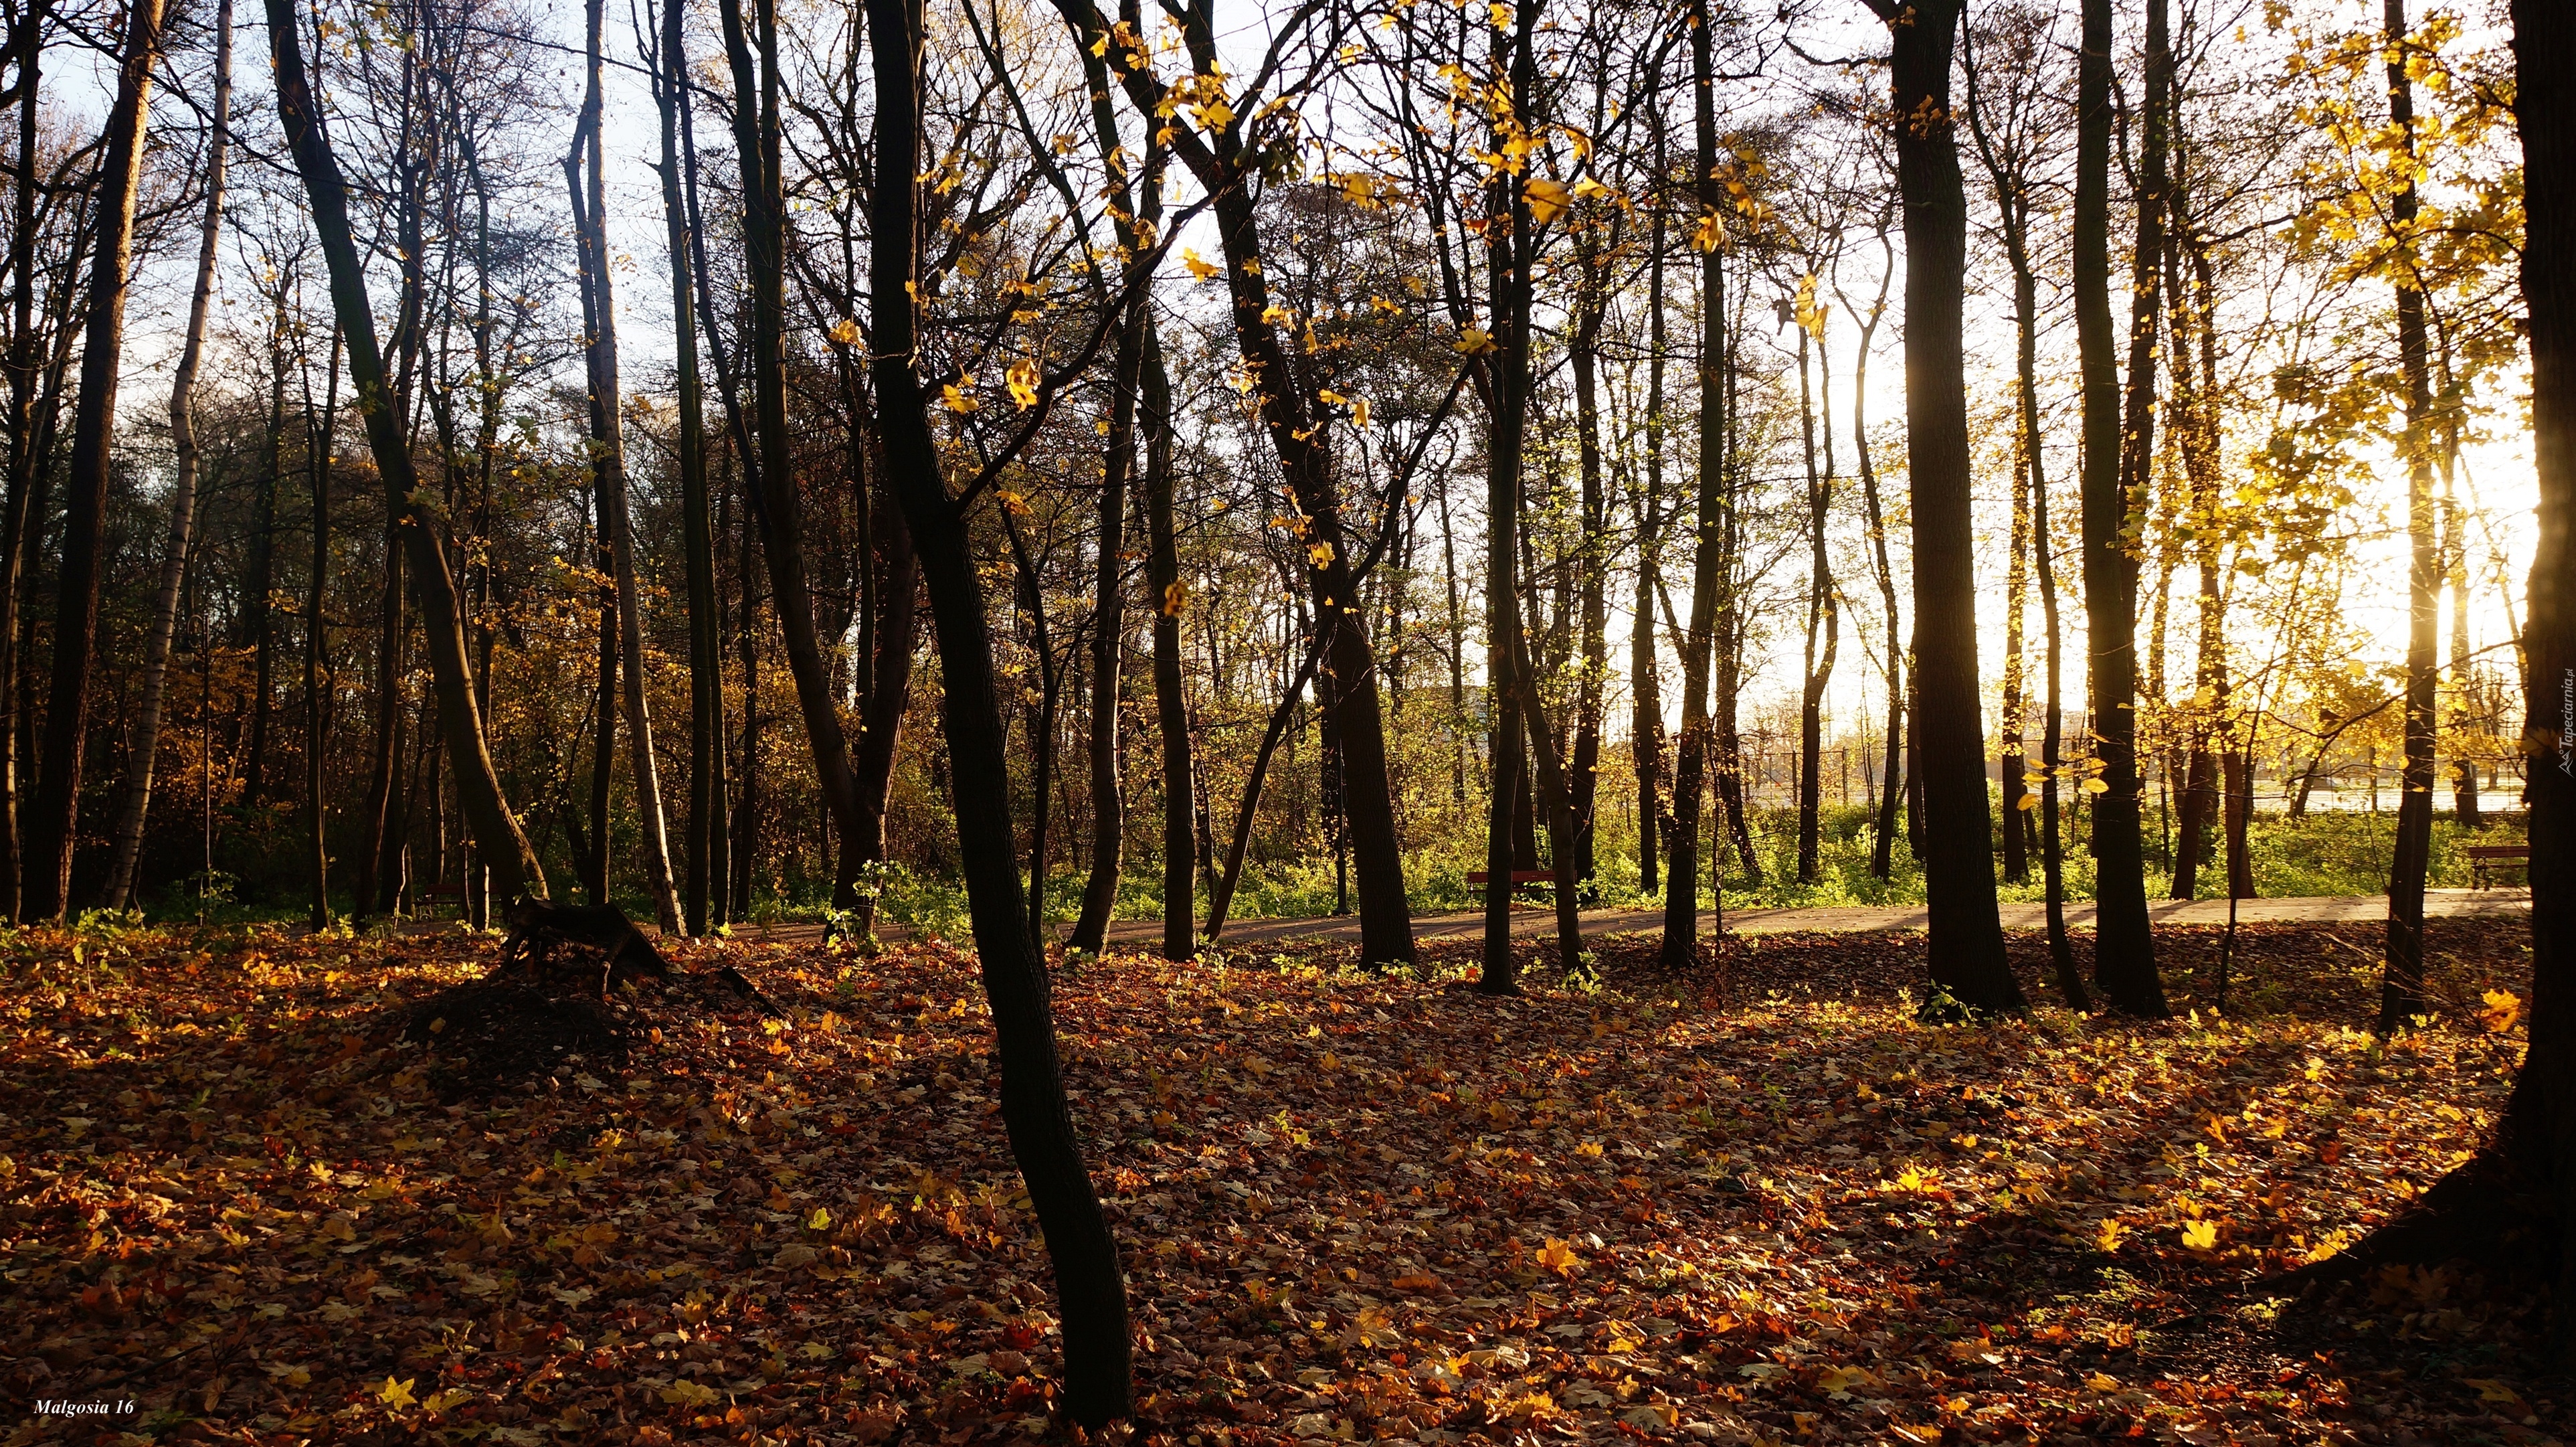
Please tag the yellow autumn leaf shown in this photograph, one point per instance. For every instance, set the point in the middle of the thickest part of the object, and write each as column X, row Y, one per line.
column 1559, row 1257
column 446, row 1399
column 1547, row 198
column 2027, row 801
column 1474, row 340
column 1176, row 596
column 1838, row 1381
column 1022, row 379
column 821, row 1220
column 2200, row 1235
column 2492, row 1392
column 686, row 1393
column 2102, row 1382
column 396, row 1395
column 2096, row 786
column 2503, row 1009
column 1199, row 266
column 955, row 398
column 2111, row 1234
column 1320, row 554
column 846, row 332
column 1359, row 412
column 1711, row 233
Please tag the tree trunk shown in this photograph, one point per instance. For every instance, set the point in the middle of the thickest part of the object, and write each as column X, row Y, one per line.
column 1109, row 630
column 889, row 695
column 386, row 760
column 1091, row 1291
column 1823, row 613
column 127, row 841
column 1509, row 250
column 319, row 459
column 2464, row 767
column 1299, row 436
column 2124, row 958
column 2015, row 709
column 1966, row 934
column 2545, row 1096
column 262, row 582
column 505, row 849
column 1591, row 562
column 26, row 369
column 781, row 511
column 2013, row 203
column 596, row 864
column 2207, row 798
column 1711, row 564
column 702, row 904
column 2402, row 991
column 1171, row 704
column 1645, row 684
column 1882, row 841
column 53, row 834
column 1222, row 896
column 706, row 620
column 608, row 461
column 2525, row 1165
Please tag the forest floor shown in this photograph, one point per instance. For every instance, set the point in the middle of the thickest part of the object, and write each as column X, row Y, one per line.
column 256, row 1188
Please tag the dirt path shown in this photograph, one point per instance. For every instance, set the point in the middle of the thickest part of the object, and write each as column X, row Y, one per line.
column 1859, row 919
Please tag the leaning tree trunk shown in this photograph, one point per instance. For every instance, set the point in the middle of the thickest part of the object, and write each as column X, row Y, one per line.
column 1091, row 1291
column 2531, row 1162
column 2124, row 950
column 503, row 846
column 2402, row 990
column 127, row 841
column 1966, row 933
column 2539, row 1126
column 1290, row 414
column 54, row 830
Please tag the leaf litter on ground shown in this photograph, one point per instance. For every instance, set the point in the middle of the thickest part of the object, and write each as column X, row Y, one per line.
column 248, row 1185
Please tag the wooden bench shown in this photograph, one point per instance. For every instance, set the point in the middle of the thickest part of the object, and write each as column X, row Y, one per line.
column 1521, row 879
column 429, row 897
column 2487, row 860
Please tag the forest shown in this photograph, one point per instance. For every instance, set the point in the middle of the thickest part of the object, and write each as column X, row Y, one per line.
column 1347, row 719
